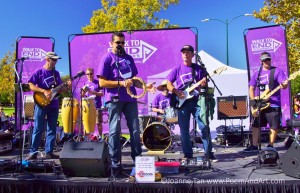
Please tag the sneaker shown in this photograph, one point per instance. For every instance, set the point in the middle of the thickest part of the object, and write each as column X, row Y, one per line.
column 31, row 157
column 251, row 148
column 116, row 166
column 270, row 146
column 51, row 156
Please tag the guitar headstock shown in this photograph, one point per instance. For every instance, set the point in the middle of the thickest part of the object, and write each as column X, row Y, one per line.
column 219, row 70
column 294, row 75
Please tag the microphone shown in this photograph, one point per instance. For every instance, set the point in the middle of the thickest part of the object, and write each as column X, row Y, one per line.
column 234, row 104
column 120, row 49
column 198, row 58
column 79, row 74
column 24, row 58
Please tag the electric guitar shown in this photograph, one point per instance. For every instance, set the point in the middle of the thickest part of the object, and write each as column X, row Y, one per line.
column 40, row 98
column 188, row 92
column 267, row 94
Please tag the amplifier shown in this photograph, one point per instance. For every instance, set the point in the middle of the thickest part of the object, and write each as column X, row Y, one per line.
column 6, row 142
column 232, row 107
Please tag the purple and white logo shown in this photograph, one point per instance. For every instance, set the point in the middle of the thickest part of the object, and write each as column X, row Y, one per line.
column 266, row 44
column 37, row 54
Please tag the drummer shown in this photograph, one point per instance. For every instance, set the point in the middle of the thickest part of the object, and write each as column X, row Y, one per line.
column 91, row 88
column 161, row 101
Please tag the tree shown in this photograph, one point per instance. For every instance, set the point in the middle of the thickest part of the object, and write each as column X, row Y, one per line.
column 286, row 13
column 7, row 79
column 119, row 15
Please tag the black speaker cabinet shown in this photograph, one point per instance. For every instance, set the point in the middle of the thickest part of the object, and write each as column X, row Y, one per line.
column 290, row 161
column 85, row 159
column 232, row 107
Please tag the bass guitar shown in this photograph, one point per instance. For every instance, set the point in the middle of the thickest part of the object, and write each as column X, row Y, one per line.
column 188, row 92
column 267, row 94
column 40, row 98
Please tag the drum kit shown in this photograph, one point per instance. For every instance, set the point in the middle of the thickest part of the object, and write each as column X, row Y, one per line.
column 157, row 132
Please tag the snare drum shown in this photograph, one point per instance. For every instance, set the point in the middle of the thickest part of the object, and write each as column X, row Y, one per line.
column 171, row 115
column 66, row 116
column 88, row 115
column 157, row 137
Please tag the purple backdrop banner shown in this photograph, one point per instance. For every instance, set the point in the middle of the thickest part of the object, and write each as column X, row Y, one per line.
column 155, row 52
column 33, row 51
column 271, row 39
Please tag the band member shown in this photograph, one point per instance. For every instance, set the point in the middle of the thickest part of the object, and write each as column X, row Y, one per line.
column 261, row 82
column 92, row 88
column 41, row 82
column 115, row 73
column 297, row 106
column 183, row 75
column 161, row 100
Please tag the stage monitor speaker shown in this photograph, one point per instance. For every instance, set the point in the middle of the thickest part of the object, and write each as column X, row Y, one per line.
column 290, row 161
column 232, row 107
column 85, row 159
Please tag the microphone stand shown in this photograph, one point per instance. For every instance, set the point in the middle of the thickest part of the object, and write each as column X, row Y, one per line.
column 20, row 114
column 207, row 162
column 258, row 104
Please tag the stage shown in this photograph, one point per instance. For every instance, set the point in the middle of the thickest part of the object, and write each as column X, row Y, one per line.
column 229, row 173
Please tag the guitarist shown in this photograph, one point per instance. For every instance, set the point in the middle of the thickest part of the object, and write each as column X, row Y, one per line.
column 184, row 75
column 42, row 81
column 267, row 78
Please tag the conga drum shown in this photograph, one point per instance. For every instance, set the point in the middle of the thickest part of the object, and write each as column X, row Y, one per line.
column 69, row 106
column 89, row 115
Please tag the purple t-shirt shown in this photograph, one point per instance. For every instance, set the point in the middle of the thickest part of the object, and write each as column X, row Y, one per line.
column 47, row 79
column 161, row 101
column 94, row 86
column 123, row 69
column 264, row 78
column 182, row 75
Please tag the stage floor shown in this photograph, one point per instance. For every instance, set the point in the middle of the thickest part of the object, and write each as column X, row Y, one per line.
column 231, row 172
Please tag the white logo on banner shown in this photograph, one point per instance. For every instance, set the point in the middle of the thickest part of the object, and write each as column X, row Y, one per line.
column 267, row 44
column 37, row 54
column 139, row 50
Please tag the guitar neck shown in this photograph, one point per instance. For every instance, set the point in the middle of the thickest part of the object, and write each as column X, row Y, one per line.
column 274, row 90
column 190, row 89
column 56, row 89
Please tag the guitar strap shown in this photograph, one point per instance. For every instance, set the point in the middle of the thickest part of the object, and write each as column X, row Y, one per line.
column 271, row 82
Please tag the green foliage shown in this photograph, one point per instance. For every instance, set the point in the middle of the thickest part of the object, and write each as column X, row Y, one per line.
column 7, row 79
column 286, row 13
column 119, row 15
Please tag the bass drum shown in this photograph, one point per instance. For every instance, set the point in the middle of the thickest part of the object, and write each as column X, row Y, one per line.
column 157, row 137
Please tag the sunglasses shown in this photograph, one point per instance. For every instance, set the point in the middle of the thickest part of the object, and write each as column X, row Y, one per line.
column 268, row 59
column 90, row 74
column 118, row 42
column 53, row 59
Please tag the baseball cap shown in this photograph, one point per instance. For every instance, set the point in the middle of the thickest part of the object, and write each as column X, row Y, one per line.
column 187, row 48
column 265, row 56
column 52, row 55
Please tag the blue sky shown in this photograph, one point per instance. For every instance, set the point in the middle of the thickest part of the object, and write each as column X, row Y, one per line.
column 60, row 18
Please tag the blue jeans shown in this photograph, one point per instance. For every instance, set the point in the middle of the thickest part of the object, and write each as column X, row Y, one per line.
column 184, row 115
column 39, row 123
column 130, row 111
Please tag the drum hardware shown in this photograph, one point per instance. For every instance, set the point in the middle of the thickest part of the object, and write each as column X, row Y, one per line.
column 171, row 115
